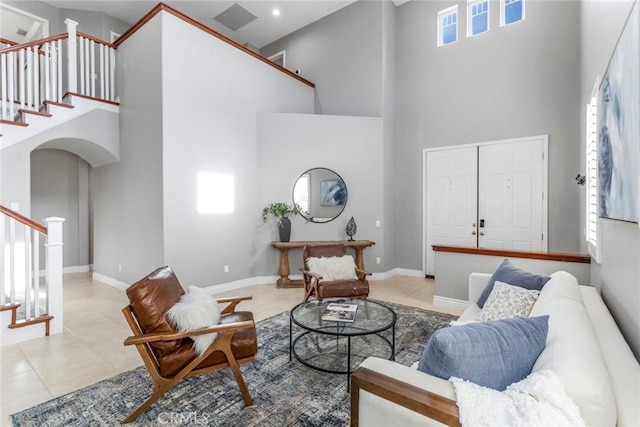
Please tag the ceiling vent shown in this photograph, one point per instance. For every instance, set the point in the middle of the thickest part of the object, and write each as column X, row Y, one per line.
column 21, row 32
column 235, row 17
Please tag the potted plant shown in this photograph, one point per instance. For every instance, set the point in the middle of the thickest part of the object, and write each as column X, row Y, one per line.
column 281, row 212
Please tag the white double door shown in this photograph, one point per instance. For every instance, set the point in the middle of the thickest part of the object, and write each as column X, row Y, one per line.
column 487, row 196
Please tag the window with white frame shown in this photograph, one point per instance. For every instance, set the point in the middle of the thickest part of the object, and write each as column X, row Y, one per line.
column 477, row 17
column 301, row 192
column 592, row 232
column 512, row 11
column 448, row 26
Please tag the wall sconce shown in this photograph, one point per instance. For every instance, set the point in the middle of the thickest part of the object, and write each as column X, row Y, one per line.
column 581, row 179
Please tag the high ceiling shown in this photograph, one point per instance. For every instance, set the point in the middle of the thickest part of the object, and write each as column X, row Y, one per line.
column 294, row 14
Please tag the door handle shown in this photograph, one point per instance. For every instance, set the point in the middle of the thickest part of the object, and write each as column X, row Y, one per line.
column 482, row 233
column 474, row 232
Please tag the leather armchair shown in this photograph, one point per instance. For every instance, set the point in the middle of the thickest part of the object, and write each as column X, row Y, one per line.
column 315, row 285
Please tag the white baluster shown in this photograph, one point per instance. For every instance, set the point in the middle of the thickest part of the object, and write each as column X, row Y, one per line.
column 93, row 68
column 36, row 78
column 12, row 260
column 82, row 64
column 21, row 77
column 28, row 77
column 4, row 280
column 27, row 271
column 11, row 67
column 54, row 272
column 59, row 59
column 54, row 72
column 36, row 272
column 112, row 73
column 101, row 69
column 87, row 67
column 47, row 82
column 4, row 94
column 72, row 58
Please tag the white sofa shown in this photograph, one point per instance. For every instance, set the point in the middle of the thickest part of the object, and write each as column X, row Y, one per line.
column 584, row 347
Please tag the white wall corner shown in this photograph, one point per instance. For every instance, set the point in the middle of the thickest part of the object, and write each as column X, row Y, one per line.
column 109, row 281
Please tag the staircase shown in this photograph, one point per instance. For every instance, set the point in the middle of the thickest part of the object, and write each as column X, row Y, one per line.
column 29, row 308
column 57, row 92
column 42, row 83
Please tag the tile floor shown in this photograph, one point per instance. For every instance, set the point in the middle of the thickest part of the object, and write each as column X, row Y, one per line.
column 90, row 348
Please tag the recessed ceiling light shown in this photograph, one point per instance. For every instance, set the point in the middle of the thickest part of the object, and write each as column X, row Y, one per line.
column 276, row 12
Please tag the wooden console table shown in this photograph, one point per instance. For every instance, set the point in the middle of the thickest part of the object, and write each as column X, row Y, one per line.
column 283, row 247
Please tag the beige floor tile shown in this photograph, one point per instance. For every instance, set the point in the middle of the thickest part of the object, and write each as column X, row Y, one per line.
column 19, row 385
column 20, row 403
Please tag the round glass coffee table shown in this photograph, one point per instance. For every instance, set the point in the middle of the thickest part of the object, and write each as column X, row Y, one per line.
column 339, row 347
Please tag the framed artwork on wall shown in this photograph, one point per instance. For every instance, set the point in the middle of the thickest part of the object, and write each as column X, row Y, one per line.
column 618, row 128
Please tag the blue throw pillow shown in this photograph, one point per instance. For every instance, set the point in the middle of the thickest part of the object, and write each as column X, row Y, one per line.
column 508, row 272
column 491, row 354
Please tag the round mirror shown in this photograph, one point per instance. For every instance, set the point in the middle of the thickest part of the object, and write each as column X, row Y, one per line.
column 320, row 194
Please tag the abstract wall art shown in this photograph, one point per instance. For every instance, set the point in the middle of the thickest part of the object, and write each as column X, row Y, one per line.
column 618, row 127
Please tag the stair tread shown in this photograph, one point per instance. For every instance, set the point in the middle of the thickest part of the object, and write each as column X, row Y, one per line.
column 13, row 123
column 9, row 306
column 32, row 321
column 59, row 104
column 36, row 113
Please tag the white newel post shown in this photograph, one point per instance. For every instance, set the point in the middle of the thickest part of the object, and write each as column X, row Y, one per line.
column 72, row 58
column 53, row 249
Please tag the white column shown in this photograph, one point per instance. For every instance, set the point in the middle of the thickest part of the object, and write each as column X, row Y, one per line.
column 53, row 248
column 72, row 55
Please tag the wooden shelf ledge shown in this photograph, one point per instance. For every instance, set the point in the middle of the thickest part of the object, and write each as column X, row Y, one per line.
column 508, row 253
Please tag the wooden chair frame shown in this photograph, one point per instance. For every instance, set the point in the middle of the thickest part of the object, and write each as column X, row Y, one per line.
column 426, row 403
column 222, row 343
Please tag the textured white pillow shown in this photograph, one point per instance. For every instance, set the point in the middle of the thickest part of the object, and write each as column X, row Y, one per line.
column 507, row 301
column 196, row 309
column 333, row 268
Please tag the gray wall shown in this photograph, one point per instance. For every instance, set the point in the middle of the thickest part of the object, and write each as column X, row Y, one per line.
column 342, row 55
column 287, row 147
column 391, row 209
column 127, row 196
column 209, row 124
column 516, row 81
column 618, row 276
column 59, row 187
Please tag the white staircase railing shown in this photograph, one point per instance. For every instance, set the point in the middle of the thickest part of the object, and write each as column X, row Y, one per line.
column 46, row 69
column 20, row 275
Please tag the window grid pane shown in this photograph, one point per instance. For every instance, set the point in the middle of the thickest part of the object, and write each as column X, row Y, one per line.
column 478, row 21
column 513, row 11
column 448, row 26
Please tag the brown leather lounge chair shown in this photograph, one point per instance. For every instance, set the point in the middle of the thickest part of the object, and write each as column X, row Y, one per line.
column 314, row 285
column 168, row 354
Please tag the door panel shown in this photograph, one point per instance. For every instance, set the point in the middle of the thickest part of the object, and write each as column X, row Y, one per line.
column 510, row 195
column 451, row 200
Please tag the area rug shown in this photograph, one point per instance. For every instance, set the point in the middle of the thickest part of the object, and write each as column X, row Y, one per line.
column 285, row 393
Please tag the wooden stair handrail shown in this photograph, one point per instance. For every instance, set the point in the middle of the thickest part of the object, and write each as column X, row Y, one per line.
column 95, row 39
column 34, row 43
column 23, row 219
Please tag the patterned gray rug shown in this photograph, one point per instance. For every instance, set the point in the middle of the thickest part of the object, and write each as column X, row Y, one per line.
column 285, row 393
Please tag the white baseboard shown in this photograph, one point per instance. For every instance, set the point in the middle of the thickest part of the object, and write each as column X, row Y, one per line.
column 456, row 304
column 396, row 272
column 232, row 286
column 110, row 281
column 76, row 269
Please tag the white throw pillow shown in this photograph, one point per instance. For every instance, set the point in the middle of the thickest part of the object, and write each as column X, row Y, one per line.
column 507, row 301
column 196, row 309
column 333, row 268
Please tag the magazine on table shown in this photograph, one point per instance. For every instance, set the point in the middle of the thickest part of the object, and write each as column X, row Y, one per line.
column 340, row 312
